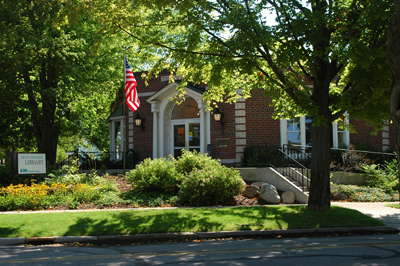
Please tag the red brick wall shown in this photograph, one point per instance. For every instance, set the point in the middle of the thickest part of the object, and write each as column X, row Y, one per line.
column 260, row 126
column 364, row 137
column 227, row 131
column 143, row 139
column 154, row 85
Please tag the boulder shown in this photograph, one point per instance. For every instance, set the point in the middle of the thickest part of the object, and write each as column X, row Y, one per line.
column 250, row 191
column 258, row 184
column 269, row 193
column 339, row 196
column 288, row 197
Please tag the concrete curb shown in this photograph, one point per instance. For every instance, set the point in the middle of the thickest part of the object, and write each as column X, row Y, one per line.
column 141, row 238
column 188, row 236
column 12, row 241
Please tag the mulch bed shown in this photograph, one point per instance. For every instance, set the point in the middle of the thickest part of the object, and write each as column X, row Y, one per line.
column 125, row 186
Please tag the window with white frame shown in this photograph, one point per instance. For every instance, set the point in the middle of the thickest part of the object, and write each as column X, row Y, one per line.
column 293, row 131
column 116, row 139
column 341, row 137
column 297, row 131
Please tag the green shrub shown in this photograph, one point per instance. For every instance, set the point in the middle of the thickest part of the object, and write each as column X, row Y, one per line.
column 69, row 176
column 159, row 175
column 383, row 176
column 211, row 186
column 195, row 178
column 189, row 161
column 108, row 199
column 149, row 199
column 361, row 193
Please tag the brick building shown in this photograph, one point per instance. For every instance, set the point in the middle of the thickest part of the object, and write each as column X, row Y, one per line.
column 167, row 127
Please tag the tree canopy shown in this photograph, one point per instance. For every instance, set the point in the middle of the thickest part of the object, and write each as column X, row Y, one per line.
column 320, row 58
column 58, row 66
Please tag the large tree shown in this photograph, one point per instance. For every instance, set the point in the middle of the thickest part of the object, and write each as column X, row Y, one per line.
column 55, row 73
column 393, row 56
column 318, row 58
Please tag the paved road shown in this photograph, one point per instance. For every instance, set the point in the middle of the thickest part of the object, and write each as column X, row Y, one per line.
column 356, row 250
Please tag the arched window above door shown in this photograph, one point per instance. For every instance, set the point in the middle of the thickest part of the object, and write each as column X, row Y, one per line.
column 188, row 109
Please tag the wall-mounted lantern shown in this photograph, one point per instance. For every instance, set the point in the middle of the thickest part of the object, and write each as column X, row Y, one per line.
column 139, row 122
column 218, row 116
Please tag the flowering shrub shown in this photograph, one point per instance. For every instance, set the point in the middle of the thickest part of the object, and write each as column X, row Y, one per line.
column 22, row 196
column 62, row 188
column 41, row 196
column 211, row 186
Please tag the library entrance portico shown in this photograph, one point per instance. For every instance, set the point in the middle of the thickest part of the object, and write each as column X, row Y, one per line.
column 179, row 126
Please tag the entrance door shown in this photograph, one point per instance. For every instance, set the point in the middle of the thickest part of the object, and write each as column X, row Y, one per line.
column 186, row 135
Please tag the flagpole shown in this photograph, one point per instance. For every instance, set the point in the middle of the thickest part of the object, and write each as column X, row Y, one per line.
column 124, row 115
column 132, row 100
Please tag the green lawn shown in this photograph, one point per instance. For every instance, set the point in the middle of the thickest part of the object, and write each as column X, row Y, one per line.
column 138, row 221
column 394, row 205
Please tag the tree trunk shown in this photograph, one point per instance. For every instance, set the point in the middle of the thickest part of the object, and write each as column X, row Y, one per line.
column 49, row 136
column 321, row 131
column 319, row 197
column 43, row 119
column 393, row 57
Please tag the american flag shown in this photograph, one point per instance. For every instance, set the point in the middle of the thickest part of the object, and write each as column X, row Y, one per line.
column 132, row 99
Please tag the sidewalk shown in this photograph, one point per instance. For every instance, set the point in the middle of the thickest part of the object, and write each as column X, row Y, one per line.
column 390, row 216
column 377, row 210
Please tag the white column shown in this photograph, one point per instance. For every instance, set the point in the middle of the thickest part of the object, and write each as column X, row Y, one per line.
column 335, row 139
column 203, row 144
column 303, row 131
column 155, row 109
column 283, row 125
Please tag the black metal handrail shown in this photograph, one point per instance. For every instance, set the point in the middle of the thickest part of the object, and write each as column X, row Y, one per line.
column 289, row 161
column 99, row 160
column 301, row 155
column 294, row 170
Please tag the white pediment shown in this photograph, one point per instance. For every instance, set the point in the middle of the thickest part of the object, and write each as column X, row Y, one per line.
column 169, row 91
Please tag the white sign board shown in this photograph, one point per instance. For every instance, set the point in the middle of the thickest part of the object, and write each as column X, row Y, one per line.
column 31, row 163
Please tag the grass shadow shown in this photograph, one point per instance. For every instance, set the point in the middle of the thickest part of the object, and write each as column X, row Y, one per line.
column 129, row 222
column 220, row 219
column 96, row 223
column 8, row 231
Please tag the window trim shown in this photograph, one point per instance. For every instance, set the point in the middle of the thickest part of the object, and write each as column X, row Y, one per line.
column 284, row 132
column 335, row 134
column 114, row 120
